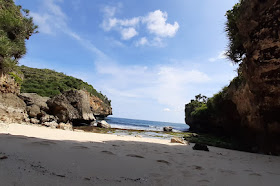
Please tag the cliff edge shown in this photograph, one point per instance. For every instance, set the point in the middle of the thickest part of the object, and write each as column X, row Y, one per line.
column 248, row 109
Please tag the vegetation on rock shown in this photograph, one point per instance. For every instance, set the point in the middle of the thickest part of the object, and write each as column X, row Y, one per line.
column 235, row 47
column 15, row 27
column 49, row 83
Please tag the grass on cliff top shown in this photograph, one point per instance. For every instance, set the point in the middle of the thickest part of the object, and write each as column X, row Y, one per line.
column 49, row 83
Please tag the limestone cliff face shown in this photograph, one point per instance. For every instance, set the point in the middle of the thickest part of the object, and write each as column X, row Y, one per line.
column 253, row 115
column 12, row 108
column 8, row 84
column 99, row 108
column 258, row 101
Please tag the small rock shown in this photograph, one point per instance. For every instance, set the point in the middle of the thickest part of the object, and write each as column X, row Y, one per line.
column 34, row 121
column 47, row 118
column 77, row 130
column 103, row 124
column 65, row 126
column 199, row 146
column 52, row 124
column 178, row 140
column 138, row 136
column 167, row 129
column 3, row 157
column 93, row 123
column 194, row 135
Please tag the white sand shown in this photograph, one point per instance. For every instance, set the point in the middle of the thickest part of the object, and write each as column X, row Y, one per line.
column 42, row 156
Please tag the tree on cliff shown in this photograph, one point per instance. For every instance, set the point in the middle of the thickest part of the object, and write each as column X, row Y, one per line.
column 15, row 27
column 235, row 47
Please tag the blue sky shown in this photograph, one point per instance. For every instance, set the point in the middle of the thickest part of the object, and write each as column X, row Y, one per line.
column 149, row 57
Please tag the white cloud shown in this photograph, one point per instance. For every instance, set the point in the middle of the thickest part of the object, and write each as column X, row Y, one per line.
column 166, row 110
column 128, row 33
column 156, row 24
column 129, row 22
column 167, row 84
column 221, row 55
column 143, row 41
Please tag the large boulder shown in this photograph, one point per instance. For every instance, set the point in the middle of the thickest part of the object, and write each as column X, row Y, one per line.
column 36, row 105
column 72, row 105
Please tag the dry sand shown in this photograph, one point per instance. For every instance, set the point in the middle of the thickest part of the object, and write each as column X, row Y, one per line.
column 32, row 155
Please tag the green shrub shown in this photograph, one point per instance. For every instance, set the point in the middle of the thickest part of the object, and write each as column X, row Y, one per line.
column 17, row 79
column 235, row 47
column 15, row 27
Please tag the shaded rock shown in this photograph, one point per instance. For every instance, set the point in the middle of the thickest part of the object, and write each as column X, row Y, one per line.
column 167, row 129
column 103, row 124
column 71, row 105
column 34, row 99
column 178, row 140
column 36, row 106
column 199, row 146
column 93, row 123
column 33, row 111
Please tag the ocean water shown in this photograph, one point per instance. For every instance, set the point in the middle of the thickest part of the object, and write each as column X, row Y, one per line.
column 123, row 123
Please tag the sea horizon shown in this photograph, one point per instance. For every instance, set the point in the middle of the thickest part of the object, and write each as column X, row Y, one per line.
column 140, row 124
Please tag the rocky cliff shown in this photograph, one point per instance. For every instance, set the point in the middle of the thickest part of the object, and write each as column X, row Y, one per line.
column 252, row 114
column 69, row 106
column 258, row 101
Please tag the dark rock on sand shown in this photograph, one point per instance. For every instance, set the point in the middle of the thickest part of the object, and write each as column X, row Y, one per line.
column 199, row 146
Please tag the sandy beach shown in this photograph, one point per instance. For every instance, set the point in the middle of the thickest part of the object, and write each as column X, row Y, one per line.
column 33, row 155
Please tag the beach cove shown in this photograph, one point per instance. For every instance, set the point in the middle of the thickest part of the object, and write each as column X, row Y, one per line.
column 34, row 155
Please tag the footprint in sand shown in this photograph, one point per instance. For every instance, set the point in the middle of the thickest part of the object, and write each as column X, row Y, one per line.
column 43, row 143
column 227, row 171
column 79, row 147
column 134, row 156
column 204, row 181
column 197, row 167
column 163, row 161
column 255, row 174
column 107, row 152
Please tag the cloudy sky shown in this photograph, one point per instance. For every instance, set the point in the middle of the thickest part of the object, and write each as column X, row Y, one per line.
column 149, row 57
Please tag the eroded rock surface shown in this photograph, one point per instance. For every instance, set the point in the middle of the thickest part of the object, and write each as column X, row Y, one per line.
column 71, row 105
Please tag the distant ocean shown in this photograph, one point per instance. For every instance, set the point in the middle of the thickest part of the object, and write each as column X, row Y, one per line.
column 135, row 124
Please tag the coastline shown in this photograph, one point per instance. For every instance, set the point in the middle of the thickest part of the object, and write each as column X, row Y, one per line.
column 40, row 155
